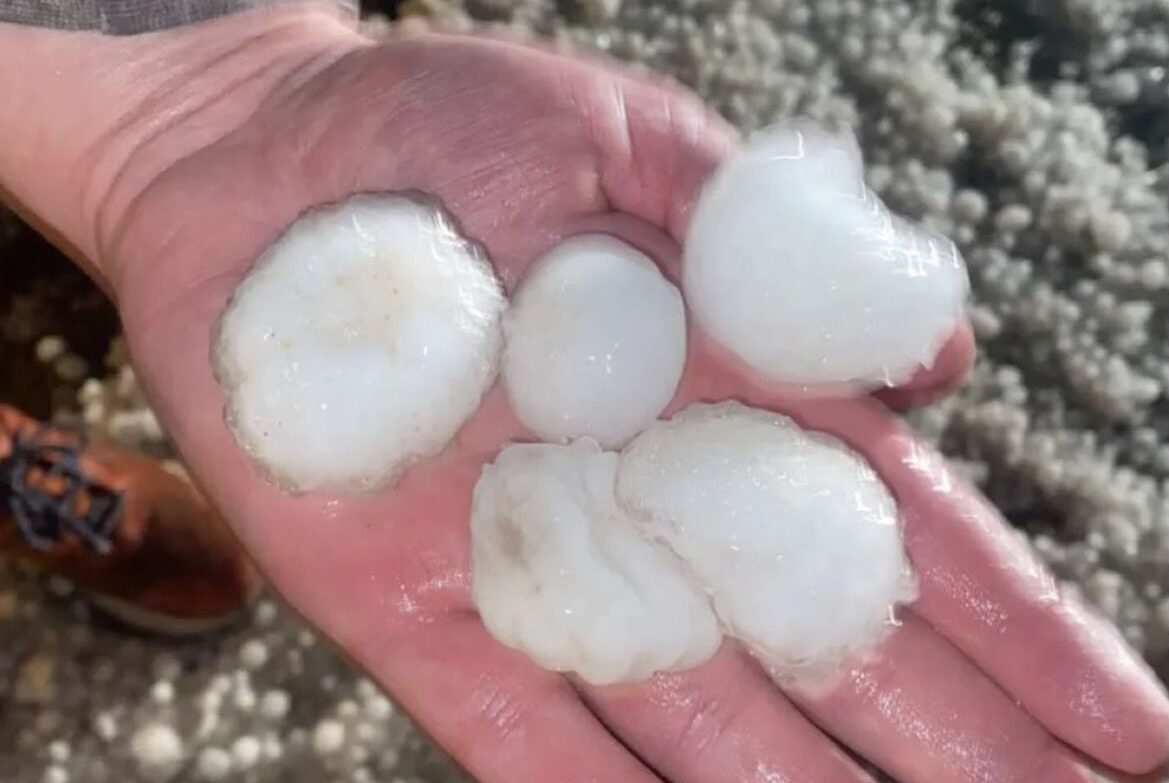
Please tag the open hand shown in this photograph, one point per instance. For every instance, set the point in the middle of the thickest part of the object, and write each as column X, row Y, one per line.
column 993, row 676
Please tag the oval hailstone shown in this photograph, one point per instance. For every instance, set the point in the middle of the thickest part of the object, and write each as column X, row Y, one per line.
column 792, row 534
column 361, row 340
column 559, row 572
column 794, row 265
column 595, row 342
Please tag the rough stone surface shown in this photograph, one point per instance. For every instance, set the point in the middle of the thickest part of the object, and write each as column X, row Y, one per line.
column 1035, row 133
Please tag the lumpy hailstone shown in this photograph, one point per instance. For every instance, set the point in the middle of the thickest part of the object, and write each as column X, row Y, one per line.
column 794, row 265
column 794, row 536
column 561, row 573
column 723, row 519
column 595, row 342
column 360, row 341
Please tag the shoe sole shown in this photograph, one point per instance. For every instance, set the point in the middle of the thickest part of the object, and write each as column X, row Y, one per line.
column 137, row 618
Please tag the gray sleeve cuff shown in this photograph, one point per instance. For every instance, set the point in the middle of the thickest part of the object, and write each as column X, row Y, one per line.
column 130, row 17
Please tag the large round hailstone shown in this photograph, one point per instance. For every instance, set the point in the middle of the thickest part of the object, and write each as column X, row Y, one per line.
column 559, row 572
column 794, row 536
column 361, row 340
column 794, row 265
column 595, row 342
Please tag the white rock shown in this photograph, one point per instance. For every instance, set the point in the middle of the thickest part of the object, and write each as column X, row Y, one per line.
column 246, row 751
column 92, row 391
column 213, row 764
column 265, row 613
column 794, row 265
column 378, row 707
column 253, row 654
column 162, row 692
column 560, row 572
column 595, row 342
column 274, row 704
column 361, row 341
column 49, row 348
column 105, row 726
column 126, row 383
column 794, row 536
column 365, row 688
column 243, row 697
column 1013, row 218
column 328, row 737
column 158, row 751
column 59, row 751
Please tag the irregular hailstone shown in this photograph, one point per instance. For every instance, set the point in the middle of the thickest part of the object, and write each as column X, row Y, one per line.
column 561, row 573
column 793, row 535
column 796, row 267
column 595, row 342
column 360, row 341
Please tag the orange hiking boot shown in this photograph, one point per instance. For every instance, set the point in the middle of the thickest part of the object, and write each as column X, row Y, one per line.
column 142, row 542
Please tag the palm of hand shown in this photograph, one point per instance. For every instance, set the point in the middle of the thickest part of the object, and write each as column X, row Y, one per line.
column 524, row 148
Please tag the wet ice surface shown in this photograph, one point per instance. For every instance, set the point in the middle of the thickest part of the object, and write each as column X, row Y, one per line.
column 369, row 329
column 788, row 536
column 794, row 536
column 786, row 238
column 561, row 572
column 595, row 342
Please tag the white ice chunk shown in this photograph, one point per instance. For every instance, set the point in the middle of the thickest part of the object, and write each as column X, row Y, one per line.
column 559, row 572
column 595, row 342
column 794, row 536
column 362, row 339
column 793, row 264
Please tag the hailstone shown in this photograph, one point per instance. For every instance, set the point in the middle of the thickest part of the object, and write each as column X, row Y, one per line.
column 561, row 573
column 793, row 535
column 595, row 342
column 796, row 267
column 723, row 520
column 360, row 341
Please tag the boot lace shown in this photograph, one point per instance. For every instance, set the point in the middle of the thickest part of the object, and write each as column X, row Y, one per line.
column 46, row 490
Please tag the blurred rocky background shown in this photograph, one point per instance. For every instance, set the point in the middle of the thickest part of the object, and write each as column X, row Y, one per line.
column 1036, row 132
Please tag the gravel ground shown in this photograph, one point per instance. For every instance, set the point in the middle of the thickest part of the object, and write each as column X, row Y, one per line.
column 1036, row 133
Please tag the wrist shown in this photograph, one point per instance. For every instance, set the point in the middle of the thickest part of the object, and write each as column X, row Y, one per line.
column 93, row 120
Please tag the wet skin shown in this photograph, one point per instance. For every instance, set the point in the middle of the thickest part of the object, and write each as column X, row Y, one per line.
column 993, row 675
